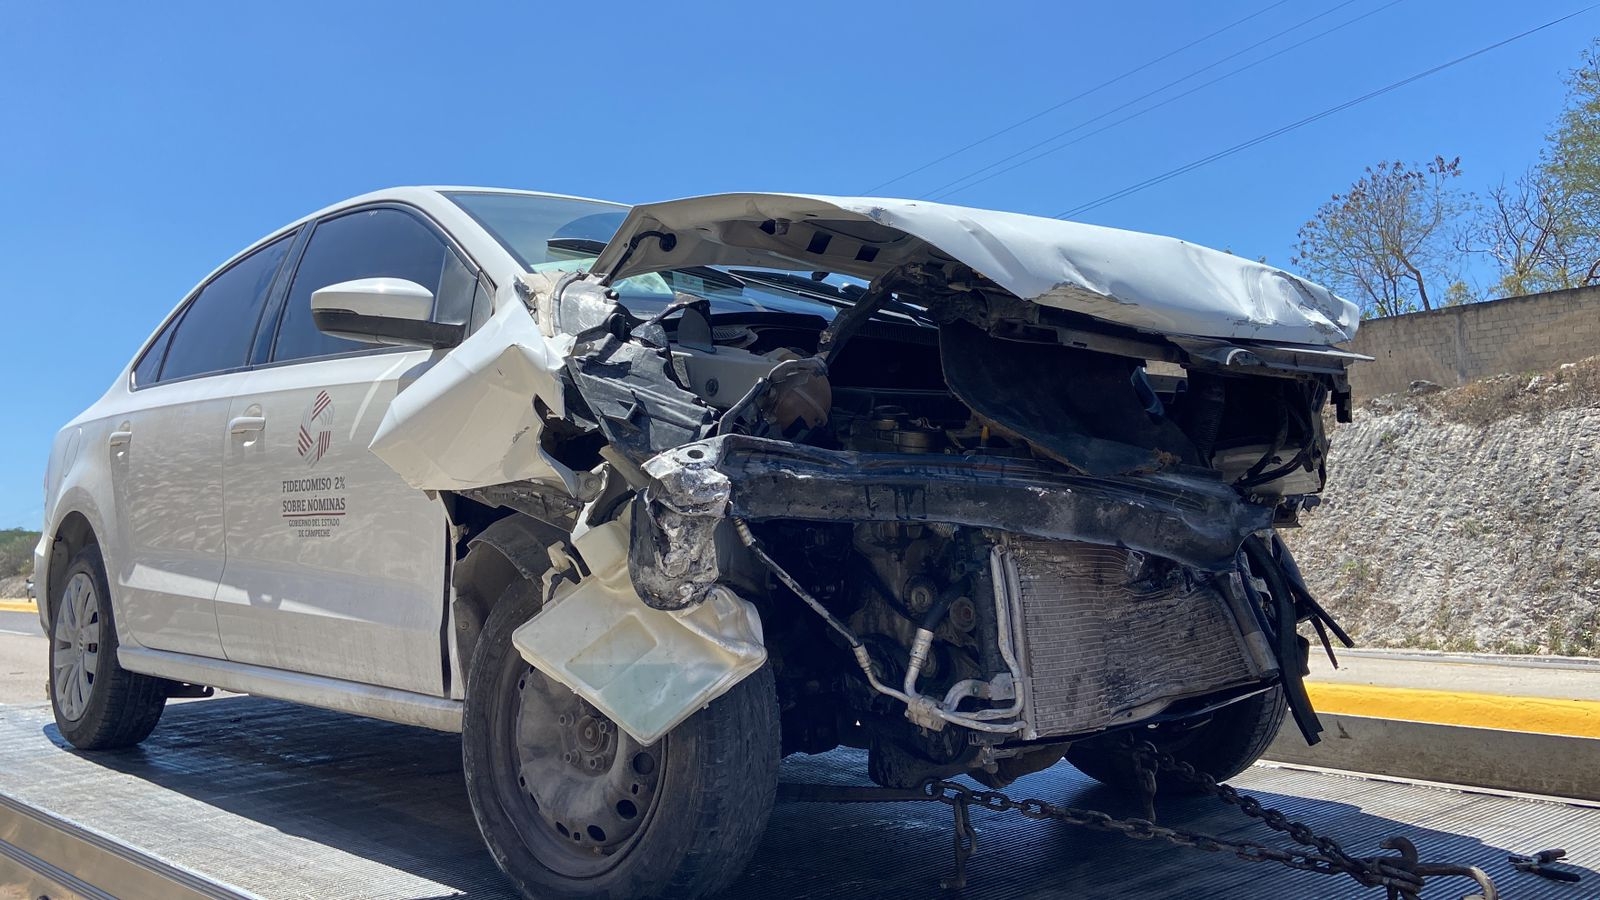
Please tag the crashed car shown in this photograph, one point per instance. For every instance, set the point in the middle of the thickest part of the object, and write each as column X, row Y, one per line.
column 641, row 500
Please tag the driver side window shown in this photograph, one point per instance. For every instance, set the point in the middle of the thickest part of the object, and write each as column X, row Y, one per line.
column 368, row 243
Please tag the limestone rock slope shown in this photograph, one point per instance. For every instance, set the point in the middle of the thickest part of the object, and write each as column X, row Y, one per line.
column 1466, row 519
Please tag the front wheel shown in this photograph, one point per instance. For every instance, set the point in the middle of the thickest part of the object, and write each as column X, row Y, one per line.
column 571, row 806
column 1221, row 744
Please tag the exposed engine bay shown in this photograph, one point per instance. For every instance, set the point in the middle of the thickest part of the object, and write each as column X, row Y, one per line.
column 976, row 528
column 988, row 629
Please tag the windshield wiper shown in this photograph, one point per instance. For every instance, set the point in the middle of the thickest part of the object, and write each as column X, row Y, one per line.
column 795, row 282
column 593, row 248
column 576, row 245
column 830, row 293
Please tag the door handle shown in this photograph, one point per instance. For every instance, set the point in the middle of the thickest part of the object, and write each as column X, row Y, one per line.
column 120, row 439
column 247, row 424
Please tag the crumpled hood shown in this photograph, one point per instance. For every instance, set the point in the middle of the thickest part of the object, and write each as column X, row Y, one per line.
column 1155, row 283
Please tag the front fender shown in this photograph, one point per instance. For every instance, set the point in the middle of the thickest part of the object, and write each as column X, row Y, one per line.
column 470, row 420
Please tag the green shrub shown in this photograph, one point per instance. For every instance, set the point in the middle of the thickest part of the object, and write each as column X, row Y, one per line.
column 16, row 551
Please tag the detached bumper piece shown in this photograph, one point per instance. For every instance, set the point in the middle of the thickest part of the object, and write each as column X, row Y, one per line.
column 595, row 637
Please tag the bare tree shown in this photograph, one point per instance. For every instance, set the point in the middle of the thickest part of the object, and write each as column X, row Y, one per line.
column 1390, row 239
column 1527, row 229
column 1543, row 230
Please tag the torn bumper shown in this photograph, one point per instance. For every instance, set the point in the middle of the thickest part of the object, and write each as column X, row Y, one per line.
column 1193, row 520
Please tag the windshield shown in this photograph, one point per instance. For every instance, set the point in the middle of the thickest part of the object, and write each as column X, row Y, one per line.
column 526, row 224
column 558, row 233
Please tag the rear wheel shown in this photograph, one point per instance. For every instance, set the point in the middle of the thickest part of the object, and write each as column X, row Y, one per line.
column 571, row 806
column 98, row 704
column 1222, row 744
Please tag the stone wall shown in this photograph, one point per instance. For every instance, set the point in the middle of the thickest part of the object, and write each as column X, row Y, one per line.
column 1459, row 344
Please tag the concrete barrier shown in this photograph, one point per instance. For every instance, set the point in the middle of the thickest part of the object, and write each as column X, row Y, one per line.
column 1553, row 765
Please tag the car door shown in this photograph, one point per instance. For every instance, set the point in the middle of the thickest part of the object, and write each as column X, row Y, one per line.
column 166, row 459
column 335, row 566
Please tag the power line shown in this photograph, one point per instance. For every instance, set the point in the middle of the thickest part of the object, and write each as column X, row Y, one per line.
column 945, row 188
column 1259, row 139
column 1155, row 106
column 1076, row 97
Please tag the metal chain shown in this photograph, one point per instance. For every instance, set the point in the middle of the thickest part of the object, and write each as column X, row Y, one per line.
column 960, row 797
column 1401, row 875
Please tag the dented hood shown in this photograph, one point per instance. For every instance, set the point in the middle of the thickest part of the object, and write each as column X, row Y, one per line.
column 1146, row 281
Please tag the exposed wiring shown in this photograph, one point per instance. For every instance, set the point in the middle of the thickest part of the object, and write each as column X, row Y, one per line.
column 1257, row 561
column 749, row 540
column 918, row 707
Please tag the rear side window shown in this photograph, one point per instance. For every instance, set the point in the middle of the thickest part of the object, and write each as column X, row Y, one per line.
column 215, row 331
column 370, row 243
column 148, row 369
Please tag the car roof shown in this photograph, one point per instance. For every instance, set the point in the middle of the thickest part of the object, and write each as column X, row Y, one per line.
column 424, row 194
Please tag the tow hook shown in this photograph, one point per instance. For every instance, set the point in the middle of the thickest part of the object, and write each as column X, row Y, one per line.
column 1539, row 864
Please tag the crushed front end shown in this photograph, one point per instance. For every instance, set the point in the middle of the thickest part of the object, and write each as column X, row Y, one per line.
column 955, row 600
column 989, row 507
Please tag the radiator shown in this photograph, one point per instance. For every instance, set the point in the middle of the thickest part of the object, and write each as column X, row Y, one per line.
column 1103, row 639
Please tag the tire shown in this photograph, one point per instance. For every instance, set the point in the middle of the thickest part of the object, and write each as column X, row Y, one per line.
column 705, row 790
column 98, row 704
column 1222, row 745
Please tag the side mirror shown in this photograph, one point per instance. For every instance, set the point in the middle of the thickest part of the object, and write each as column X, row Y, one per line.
column 382, row 311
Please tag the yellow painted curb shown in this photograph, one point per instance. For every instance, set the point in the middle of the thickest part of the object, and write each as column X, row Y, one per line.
column 18, row 606
column 1540, row 715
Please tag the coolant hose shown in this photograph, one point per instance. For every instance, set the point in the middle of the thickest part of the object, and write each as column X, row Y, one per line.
column 1290, row 663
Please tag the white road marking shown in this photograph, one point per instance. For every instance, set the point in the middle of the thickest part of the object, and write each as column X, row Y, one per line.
column 21, row 633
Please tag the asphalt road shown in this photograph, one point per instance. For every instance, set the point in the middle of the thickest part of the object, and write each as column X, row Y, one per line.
column 23, row 623
column 24, row 659
column 25, row 662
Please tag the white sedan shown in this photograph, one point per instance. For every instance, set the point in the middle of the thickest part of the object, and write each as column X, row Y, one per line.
column 640, row 500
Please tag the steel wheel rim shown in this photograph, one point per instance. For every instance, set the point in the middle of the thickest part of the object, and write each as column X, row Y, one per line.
column 579, row 815
column 75, row 647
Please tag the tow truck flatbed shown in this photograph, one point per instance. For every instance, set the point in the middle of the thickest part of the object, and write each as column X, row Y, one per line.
column 258, row 798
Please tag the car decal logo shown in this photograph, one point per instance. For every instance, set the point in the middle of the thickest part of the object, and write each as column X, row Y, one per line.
column 316, row 429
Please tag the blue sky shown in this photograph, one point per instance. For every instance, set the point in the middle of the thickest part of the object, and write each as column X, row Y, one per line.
column 142, row 144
